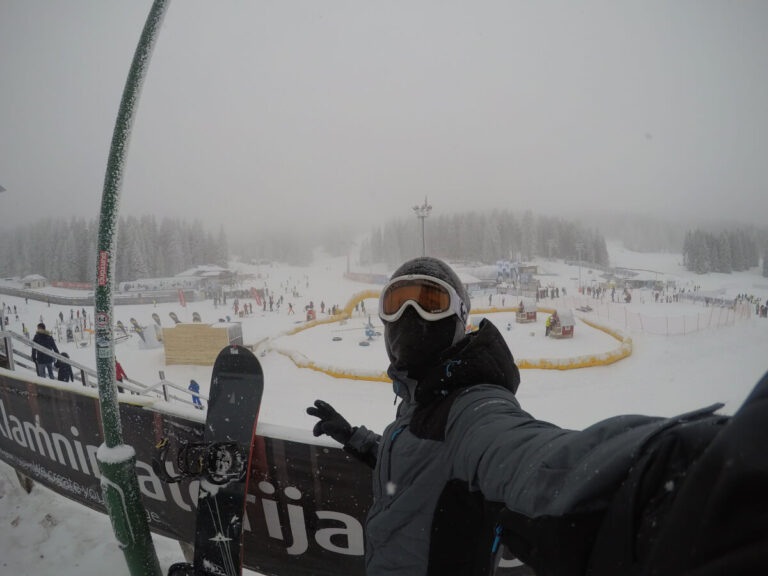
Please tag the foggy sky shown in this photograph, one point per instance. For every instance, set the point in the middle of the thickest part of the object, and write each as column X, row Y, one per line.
column 275, row 114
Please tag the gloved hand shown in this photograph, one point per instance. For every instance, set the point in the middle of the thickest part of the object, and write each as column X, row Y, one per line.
column 331, row 422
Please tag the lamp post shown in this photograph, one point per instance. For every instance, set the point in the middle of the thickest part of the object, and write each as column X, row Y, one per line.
column 579, row 246
column 421, row 213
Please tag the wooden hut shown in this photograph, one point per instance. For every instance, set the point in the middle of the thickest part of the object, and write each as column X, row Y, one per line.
column 564, row 327
column 526, row 312
column 199, row 343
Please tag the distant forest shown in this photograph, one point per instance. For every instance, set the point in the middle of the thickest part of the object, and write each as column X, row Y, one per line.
column 727, row 251
column 66, row 250
column 485, row 237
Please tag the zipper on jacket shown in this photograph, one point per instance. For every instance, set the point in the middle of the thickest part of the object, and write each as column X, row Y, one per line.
column 497, row 539
column 392, row 439
column 496, row 549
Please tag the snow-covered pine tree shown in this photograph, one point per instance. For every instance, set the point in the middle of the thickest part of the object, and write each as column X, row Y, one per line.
column 723, row 254
column 765, row 262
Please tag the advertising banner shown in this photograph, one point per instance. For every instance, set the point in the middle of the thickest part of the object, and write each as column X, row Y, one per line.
column 306, row 503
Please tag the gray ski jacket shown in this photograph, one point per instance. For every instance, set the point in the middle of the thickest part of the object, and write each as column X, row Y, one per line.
column 461, row 449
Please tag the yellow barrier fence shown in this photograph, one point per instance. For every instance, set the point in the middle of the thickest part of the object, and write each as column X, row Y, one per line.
column 585, row 361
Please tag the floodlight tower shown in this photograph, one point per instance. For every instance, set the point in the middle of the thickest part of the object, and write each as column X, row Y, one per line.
column 421, row 213
column 579, row 246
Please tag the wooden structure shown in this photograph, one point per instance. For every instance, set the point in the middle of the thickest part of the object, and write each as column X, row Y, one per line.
column 564, row 327
column 526, row 312
column 199, row 343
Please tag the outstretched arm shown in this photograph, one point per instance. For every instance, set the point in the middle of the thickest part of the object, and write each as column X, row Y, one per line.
column 560, row 487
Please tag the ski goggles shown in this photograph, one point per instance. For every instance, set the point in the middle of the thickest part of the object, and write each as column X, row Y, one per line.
column 432, row 298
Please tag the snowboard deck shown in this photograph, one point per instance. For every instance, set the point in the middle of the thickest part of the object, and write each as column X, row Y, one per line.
column 237, row 384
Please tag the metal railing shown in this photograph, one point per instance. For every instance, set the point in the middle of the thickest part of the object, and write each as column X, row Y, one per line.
column 13, row 357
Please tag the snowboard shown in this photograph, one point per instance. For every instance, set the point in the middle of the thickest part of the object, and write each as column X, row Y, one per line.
column 222, row 462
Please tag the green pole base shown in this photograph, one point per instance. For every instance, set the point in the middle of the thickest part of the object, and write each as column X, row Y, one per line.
column 122, row 497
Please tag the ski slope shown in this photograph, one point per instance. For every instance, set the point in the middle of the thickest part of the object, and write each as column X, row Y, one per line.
column 44, row 534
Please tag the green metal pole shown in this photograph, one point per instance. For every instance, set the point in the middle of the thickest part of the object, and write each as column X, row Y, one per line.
column 117, row 462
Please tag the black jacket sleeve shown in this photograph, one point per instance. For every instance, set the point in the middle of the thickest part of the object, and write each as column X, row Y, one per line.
column 556, row 484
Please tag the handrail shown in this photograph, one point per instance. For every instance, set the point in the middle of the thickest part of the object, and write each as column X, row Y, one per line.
column 87, row 374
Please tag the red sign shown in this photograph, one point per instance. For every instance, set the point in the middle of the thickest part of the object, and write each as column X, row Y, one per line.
column 182, row 301
column 103, row 261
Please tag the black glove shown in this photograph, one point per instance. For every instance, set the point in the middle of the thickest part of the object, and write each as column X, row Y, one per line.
column 331, row 422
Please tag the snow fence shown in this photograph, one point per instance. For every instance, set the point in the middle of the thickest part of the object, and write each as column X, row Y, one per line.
column 714, row 315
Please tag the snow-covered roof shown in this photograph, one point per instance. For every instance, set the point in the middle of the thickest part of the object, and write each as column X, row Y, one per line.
column 468, row 279
column 206, row 271
column 32, row 277
column 565, row 316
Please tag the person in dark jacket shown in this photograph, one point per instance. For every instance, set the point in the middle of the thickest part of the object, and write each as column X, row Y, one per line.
column 463, row 468
column 43, row 362
column 65, row 370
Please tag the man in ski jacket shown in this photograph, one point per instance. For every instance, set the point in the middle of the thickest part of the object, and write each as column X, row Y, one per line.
column 43, row 362
column 463, row 467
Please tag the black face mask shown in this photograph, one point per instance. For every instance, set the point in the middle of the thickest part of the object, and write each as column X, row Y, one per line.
column 414, row 344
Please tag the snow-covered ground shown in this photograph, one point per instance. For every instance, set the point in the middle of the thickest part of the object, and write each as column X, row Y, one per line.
column 44, row 534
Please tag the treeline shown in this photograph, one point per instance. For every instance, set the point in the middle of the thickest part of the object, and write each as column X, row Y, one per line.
column 66, row 250
column 485, row 237
column 726, row 251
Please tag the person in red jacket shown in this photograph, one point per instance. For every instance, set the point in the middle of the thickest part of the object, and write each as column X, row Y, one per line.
column 119, row 374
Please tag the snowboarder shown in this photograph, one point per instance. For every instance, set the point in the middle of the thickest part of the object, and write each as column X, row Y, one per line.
column 43, row 362
column 463, row 467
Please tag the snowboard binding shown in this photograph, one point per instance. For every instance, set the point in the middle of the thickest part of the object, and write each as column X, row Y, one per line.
column 181, row 569
column 219, row 463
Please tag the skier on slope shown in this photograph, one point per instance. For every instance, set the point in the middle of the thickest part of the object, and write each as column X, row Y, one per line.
column 463, row 465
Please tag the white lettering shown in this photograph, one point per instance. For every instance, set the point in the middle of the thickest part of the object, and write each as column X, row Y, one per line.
column 58, row 442
column 17, row 431
column 4, row 428
column 352, row 529
column 149, row 484
column 79, row 449
column 35, row 431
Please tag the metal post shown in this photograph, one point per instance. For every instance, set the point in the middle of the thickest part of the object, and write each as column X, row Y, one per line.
column 165, row 388
column 421, row 213
column 9, row 353
column 423, row 239
column 117, row 463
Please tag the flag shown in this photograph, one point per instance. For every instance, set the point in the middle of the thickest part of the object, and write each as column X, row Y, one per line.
column 256, row 296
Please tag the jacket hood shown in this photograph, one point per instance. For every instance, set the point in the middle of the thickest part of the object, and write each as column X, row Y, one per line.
column 481, row 357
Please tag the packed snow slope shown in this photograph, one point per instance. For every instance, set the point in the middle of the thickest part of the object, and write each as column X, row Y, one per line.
column 43, row 534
